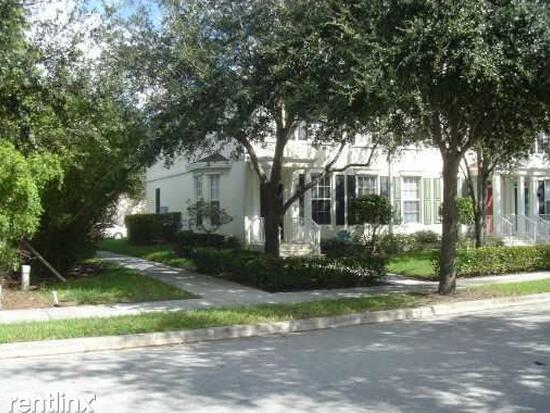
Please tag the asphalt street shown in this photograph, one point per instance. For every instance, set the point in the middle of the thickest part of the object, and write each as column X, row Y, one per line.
column 489, row 362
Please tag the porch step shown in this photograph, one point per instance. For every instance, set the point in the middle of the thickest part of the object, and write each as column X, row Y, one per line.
column 521, row 242
column 294, row 249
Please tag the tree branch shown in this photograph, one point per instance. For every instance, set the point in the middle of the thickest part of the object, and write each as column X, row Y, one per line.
column 253, row 158
column 328, row 169
column 469, row 179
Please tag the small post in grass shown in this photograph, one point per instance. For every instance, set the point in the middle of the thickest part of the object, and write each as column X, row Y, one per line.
column 25, row 277
column 55, row 299
column 0, row 296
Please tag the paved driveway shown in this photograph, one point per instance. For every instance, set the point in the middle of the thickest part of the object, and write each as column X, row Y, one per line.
column 491, row 362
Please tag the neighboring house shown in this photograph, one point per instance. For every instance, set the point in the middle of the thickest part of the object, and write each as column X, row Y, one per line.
column 411, row 181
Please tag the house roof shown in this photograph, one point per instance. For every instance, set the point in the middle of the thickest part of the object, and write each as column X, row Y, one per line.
column 215, row 157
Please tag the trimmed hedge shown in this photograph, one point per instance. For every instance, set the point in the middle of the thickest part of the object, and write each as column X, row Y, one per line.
column 150, row 228
column 500, row 260
column 334, row 247
column 185, row 240
column 288, row 274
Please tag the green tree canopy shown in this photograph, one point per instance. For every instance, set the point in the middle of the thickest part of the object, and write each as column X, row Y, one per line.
column 456, row 73
column 241, row 72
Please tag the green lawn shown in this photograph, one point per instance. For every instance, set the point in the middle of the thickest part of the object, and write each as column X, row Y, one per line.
column 188, row 320
column 112, row 285
column 510, row 289
column 157, row 253
column 413, row 264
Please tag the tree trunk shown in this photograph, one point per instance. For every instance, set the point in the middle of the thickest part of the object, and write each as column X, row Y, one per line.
column 273, row 212
column 481, row 215
column 449, row 238
column 480, row 204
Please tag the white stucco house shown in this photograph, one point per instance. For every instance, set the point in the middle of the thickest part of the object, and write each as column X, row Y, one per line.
column 518, row 204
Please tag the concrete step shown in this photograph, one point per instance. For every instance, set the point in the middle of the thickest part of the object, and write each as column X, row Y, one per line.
column 291, row 249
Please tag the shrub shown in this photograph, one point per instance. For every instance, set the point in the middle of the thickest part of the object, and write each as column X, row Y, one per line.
column 397, row 243
column 149, row 228
column 296, row 273
column 465, row 208
column 500, row 260
column 335, row 247
column 374, row 210
column 185, row 240
column 402, row 243
column 425, row 239
column 22, row 181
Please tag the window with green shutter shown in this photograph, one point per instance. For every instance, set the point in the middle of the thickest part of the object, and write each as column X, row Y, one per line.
column 427, row 190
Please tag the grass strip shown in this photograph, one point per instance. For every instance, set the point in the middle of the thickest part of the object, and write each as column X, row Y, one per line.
column 195, row 319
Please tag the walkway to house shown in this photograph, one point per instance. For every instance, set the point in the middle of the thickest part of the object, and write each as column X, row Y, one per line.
column 215, row 292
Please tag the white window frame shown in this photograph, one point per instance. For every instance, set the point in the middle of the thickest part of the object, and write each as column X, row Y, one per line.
column 198, row 183
column 406, row 200
column 214, row 195
column 319, row 193
column 211, row 179
column 358, row 188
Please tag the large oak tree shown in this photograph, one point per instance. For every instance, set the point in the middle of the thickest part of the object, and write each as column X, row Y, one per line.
column 243, row 72
column 461, row 72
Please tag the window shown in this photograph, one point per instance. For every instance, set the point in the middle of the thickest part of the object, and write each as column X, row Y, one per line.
column 198, row 196
column 367, row 184
column 385, row 187
column 351, row 194
column 198, row 187
column 411, row 200
column 214, row 181
column 320, row 201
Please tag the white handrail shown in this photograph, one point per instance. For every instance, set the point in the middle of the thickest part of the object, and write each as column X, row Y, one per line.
column 296, row 230
column 254, row 230
column 524, row 227
column 499, row 226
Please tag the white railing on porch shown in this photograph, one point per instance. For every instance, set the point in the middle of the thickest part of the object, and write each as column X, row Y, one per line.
column 296, row 230
column 302, row 231
column 543, row 225
column 523, row 227
column 520, row 228
column 254, row 230
column 499, row 226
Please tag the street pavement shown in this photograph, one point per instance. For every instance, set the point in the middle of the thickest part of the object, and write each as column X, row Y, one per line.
column 497, row 362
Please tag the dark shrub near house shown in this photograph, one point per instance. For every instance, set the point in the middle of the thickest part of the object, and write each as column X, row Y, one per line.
column 397, row 243
column 426, row 240
column 335, row 247
column 500, row 260
column 184, row 240
column 152, row 228
column 287, row 274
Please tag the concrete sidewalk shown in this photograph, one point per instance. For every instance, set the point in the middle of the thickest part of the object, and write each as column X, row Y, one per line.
column 215, row 292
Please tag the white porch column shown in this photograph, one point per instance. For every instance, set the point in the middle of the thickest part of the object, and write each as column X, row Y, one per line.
column 521, row 196
column 497, row 195
column 534, row 200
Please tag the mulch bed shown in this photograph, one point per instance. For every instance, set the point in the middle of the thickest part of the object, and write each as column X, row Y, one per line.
column 14, row 298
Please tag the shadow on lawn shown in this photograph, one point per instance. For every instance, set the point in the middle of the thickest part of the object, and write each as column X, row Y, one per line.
column 479, row 363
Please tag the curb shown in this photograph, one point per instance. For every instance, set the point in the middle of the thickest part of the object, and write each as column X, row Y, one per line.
column 89, row 344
